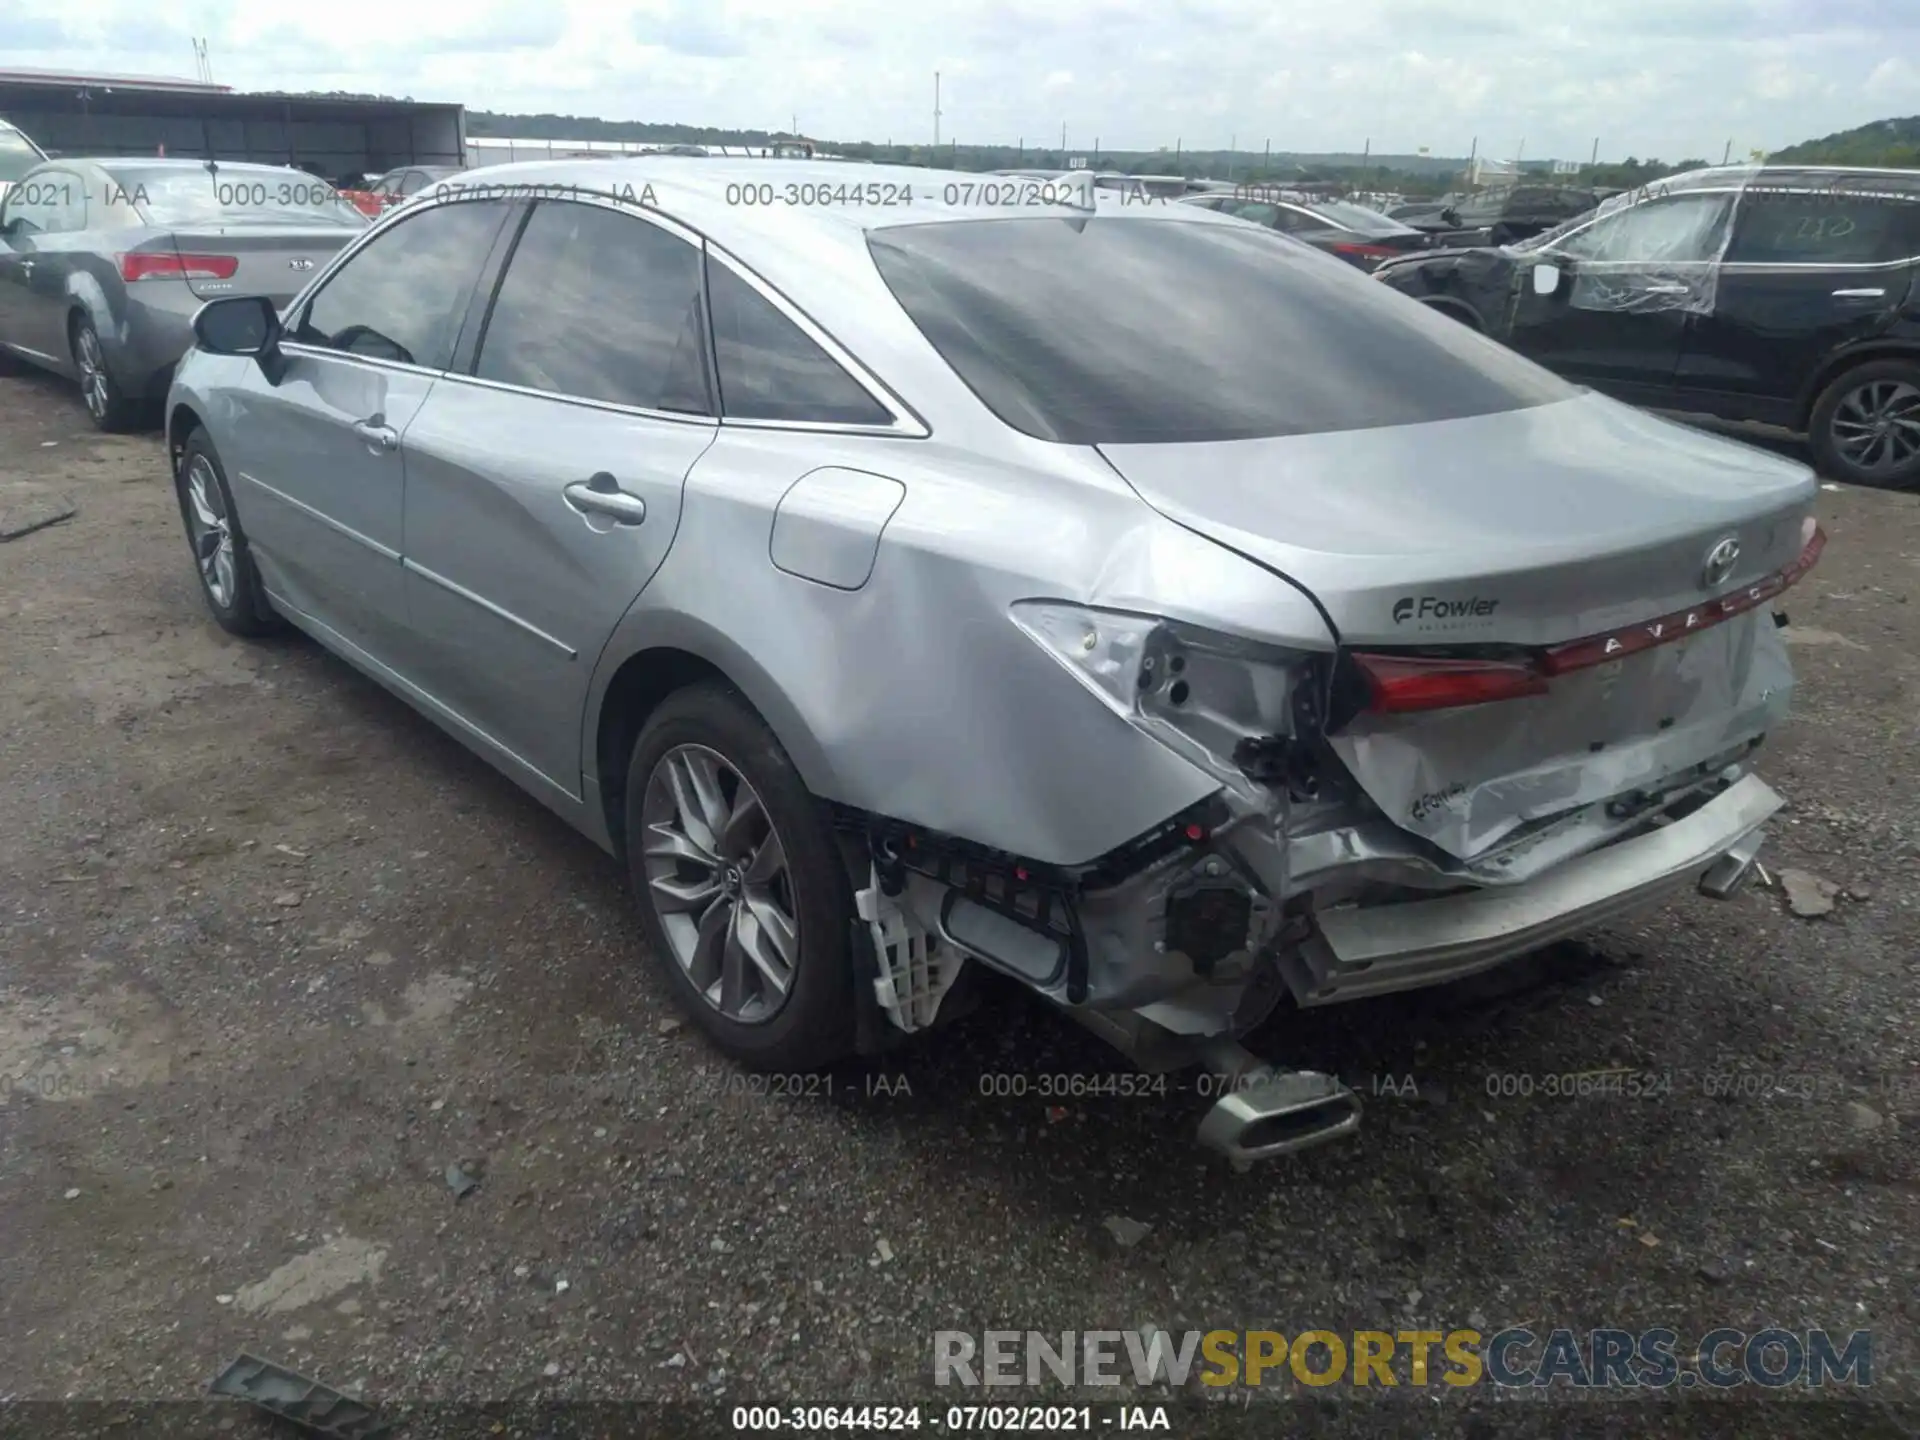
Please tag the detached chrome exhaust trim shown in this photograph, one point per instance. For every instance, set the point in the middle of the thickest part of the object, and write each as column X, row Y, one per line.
column 1280, row 1115
column 1732, row 870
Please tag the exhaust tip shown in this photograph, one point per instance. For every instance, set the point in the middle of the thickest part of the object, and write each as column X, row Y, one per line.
column 1281, row 1115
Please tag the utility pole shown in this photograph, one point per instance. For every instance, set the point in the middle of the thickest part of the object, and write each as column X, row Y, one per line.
column 1473, row 162
column 936, row 107
column 1519, row 155
column 1063, row 138
column 1233, row 153
column 1594, row 163
column 1724, row 159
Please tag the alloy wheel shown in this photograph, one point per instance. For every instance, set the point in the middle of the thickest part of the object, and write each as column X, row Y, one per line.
column 93, row 373
column 717, row 876
column 1876, row 427
column 210, row 531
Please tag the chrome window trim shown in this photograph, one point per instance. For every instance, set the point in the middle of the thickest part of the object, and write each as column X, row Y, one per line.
column 412, row 567
column 322, row 352
column 905, row 421
column 640, row 412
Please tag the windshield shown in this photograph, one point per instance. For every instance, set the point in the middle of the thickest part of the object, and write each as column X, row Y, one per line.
column 234, row 195
column 1129, row 331
column 1359, row 219
column 17, row 155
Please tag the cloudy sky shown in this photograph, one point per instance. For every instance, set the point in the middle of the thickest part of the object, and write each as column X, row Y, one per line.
column 1670, row 78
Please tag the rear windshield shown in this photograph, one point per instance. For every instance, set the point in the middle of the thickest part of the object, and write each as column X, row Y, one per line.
column 1134, row 331
column 231, row 196
column 16, row 155
column 1359, row 219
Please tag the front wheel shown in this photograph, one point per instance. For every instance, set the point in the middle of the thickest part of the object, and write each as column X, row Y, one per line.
column 228, row 578
column 1866, row 426
column 744, row 899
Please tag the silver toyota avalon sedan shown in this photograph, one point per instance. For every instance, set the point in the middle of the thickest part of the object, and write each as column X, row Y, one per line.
column 908, row 574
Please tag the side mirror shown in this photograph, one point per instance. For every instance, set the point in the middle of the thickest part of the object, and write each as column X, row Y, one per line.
column 1546, row 279
column 241, row 325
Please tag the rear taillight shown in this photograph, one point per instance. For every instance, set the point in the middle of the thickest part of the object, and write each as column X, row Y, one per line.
column 159, row 265
column 1400, row 684
column 1372, row 254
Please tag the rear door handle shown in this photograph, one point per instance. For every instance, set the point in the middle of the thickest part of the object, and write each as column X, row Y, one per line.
column 375, row 431
column 601, row 494
column 1860, row 294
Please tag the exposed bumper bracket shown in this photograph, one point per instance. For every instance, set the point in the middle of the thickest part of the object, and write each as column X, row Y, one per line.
column 1372, row 950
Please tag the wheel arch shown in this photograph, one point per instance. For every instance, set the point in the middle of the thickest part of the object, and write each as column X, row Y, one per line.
column 651, row 657
column 182, row 419
column 1455, row 309
column 1831, row 369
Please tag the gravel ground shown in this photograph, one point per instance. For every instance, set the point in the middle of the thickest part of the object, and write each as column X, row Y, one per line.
column 274, row 953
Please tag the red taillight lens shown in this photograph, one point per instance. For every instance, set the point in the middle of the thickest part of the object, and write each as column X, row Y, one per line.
column 1373, row 253
column 157, row 265
column 1405, row 683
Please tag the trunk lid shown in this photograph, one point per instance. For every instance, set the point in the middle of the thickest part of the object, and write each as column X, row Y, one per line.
column 1526, row 528
column 272, row 260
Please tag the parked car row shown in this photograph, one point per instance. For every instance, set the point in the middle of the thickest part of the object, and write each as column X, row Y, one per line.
column 898, row 607
column 1362, row 237
column 1784, row 295
column 1500, row 215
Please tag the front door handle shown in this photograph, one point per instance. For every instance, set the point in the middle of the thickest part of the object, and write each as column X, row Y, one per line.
column 27, row 265
column 601, row 495
column 376, row 432
column 1859, row 294
column 1667, row 289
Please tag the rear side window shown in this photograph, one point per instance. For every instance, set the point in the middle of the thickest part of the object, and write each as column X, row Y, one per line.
column 17, row 154
column 1775, row 227
column 770, row 370
column 403, row 295
column 1113, row 330
column 600, row 306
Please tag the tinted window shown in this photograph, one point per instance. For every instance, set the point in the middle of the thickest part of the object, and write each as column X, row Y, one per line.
column 1118, row 330
column 403, row 296
column 1775, row 227
column 1675, row 230
column 1261, row 213
column 31, row 205
column 1359, row 219
column 174, row 195
column 600, row 305
column 770, row 370
column 17, row 154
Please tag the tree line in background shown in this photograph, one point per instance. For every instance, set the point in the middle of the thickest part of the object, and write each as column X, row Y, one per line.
column 1885, row 142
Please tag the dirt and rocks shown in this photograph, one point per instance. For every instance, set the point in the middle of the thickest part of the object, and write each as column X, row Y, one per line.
column 319, row 1040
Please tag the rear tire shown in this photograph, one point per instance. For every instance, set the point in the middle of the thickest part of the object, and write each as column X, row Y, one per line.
column 1865, row 428
column 744, row 899
column 111, row 410
column 229, row 580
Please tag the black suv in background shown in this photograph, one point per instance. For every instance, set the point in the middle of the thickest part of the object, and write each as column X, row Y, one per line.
column 1500, row 216
column 1784, row 295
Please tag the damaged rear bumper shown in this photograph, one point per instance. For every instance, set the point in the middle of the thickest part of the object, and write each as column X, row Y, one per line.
column 1357, row 951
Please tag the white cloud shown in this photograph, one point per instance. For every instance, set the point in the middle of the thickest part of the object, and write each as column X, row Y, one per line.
column 1647, row 77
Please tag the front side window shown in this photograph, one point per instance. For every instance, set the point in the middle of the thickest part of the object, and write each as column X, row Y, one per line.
column 403, row 295
column 600, row 306
column 1121, row 330
column 1673, row 230
column 18, row 155
column 34, row 203
column 770, row 370
column 1776, row 227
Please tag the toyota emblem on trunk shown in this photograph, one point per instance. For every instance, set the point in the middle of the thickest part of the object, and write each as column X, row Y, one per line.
column 1720, row 562
column 299, row 262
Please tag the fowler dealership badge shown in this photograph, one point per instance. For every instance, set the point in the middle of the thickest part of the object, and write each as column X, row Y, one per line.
column 1720, row 562
column 300, row 262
